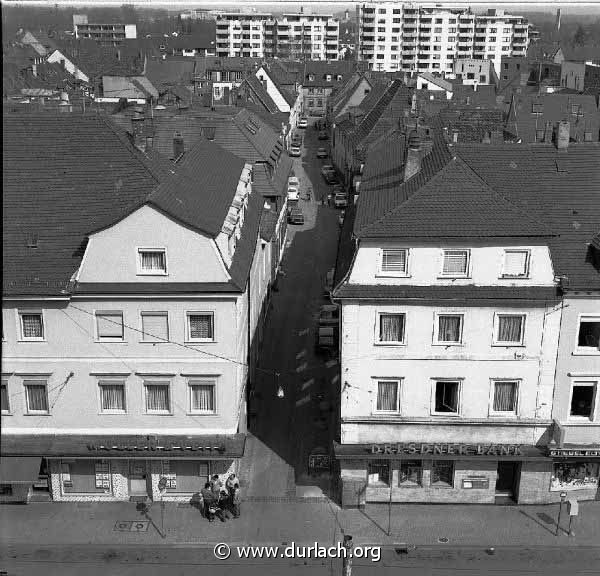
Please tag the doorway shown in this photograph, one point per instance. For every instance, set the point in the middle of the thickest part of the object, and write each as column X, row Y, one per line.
column 138, row 478
column 507, row 480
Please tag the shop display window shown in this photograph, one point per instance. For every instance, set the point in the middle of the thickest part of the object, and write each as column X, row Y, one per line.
column 575, row 475
column 442, row 473
column 379, row 473
column 411, row 473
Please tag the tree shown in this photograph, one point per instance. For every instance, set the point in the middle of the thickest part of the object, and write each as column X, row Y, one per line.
column 580, row 37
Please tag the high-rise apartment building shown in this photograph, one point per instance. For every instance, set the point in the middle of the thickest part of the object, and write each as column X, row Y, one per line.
column 410, row 37
column 103, row 33
column 302, row 36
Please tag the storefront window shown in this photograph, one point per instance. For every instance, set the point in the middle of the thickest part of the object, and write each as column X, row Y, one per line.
column 575, row 476
column 379, row 473
column 85, row 476
column 186, row 476
column 442, row 473
column 411, row 472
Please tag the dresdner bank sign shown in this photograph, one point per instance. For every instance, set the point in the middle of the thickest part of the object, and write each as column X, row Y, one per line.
column 458, row 449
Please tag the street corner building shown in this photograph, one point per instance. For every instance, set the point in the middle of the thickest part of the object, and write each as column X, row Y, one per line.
column 469, row 284
column 134, row 289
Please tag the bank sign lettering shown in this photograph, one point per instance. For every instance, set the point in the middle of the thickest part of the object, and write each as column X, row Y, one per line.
column 459, row 449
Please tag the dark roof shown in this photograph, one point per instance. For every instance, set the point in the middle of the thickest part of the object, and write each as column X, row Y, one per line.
column 170, row 72
column 319, row 69
column 92, row 288
column 268, row 223
column 561, row 189
column 202, row 38
column 595, row 241
column 105, row 446
column 285, row 73
column 232, row 63
column 468, row 293
column 78, row 170
column 484, row 95
column 260, row 92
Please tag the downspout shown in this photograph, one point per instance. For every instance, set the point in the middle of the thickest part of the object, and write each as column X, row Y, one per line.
column 539, row 380
column 248, row 360
column 562, row 306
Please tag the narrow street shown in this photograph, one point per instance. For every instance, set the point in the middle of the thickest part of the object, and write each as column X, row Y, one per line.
column 287, row 429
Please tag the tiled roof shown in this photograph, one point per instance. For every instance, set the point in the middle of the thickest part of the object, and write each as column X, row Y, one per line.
column 234, row 63
column 128, row 87
column 272, row 184
column 595, row 241
column 268, row 224
column 437, row 80
column 342, row 95
column 285, row 73
column 484, row 95
column 472, row 123
column 260, row 92
column 561, row 189
column 170, row 72
column 319, row 69
column 453, row 293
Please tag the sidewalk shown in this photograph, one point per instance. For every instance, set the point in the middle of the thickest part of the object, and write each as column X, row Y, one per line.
column 301, row 521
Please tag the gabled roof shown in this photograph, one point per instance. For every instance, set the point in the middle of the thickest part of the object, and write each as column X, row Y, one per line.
column 170, row 72
column 437, row 80
column 318, row 70
column 342, row 95
column 260, row 92
column 128, row 87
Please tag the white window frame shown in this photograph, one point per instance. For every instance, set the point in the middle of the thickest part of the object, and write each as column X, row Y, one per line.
column 387, row 273
column 458, row 412
column 379, row 342
column 504, row 414
column 202, row 381
column 5, row 383
column 527, row 253
column 500, row 343
column 141, row 272
column 398, row 408
column 112, row 381
column 188, row 335
column 436, row 329
column 42, row 382
column 585, row 350
column 99, row 338
column 155, row 381
column 467, row 274
column 593, row 416
column 20, row 331
column 154, row 313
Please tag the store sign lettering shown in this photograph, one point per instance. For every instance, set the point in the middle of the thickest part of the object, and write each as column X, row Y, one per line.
column 154, row 448
column 566, row 452
column 451, row 449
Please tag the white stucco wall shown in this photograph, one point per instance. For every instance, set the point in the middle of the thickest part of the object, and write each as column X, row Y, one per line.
column 57, row 57
column 272, row 90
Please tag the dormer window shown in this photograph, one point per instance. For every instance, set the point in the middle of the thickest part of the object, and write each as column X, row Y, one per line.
column 516, row 264
column 152, row 261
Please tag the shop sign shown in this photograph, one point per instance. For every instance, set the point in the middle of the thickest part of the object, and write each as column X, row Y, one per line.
column 456, row 449
column 580, row 452
column 154, row 448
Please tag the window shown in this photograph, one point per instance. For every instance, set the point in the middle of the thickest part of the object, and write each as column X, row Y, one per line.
column 112, row 396
column 391, row 328
column 505, row 397
column 588, row 337
column 200, row 327
column 411, row 473
column 456, row 263
column 36, row 396
column 202, row 396
column 378, row 472
column 442, row 473
column 152, row 261
column 446, row 397
column 32, row 325
column 582, row 400
column 155, row 326
column 575, row 476
column 109, row 325
column 85, row 476
column 510, row 329
column 387, row 396
column 157, row 397
column 394, row 261
column 449, row 328
column 516, row 264
column 4, row 400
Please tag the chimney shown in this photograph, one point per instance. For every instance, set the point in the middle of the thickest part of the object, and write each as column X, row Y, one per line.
column 413, row 156
column 548, row 133
column 34, row 69
column 413, row 103
column 178, row 146
column 562, row 139
column 137, row 129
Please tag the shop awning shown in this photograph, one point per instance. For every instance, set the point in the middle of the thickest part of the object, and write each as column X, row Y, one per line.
column 201, row 446
column 439, row 451
column 19, row 469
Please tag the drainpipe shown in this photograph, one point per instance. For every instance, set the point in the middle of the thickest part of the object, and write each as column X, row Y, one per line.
column 249, row 349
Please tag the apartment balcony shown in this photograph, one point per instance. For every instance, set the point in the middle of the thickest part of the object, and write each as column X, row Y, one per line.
column 368, row 29
column 426, row 20
column 412, row 34
column 408, row 52
column 424, row 38
column 368, row 20
column 425, row 29
column 369, row 39
column 331, row 28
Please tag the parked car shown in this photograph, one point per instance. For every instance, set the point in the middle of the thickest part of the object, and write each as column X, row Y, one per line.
column 332, row 178
column 329, row 315
column 321, row 153
column 340, row 200
column 323, row 135
column 295, row 216
column 337, row 188
column 293, row 193
column 327, row 339
column 293, row 181
column 295, row 151
column 328, row 287
column 303, row 123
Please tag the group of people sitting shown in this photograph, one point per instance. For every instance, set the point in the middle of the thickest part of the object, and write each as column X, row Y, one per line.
column 220, row 500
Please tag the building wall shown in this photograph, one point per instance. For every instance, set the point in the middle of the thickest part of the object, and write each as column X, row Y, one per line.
column 57, row 57
column 473, row 72
column 572, row 75
column 272, row 90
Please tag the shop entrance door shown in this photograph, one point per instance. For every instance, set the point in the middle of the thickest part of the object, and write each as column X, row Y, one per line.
column 137, row 478
column 506, row 483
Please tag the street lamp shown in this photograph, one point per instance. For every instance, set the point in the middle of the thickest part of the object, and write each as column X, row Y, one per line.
column 162, row 488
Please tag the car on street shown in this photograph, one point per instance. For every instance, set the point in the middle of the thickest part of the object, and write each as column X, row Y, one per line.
column 295, row 216
column 321, row 153
column 295, row 151
column 323, row 135
column 293, row 193
column 303, row 123
column 340, row 200
column 329, row 315
column 329, row 174
column 293, row 181
column 337, row 188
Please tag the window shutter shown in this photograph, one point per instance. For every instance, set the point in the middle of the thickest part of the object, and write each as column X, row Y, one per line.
column 515, row 263
column 455, row 262
column 110, row 324
column 394, row 261
column 155, row 327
